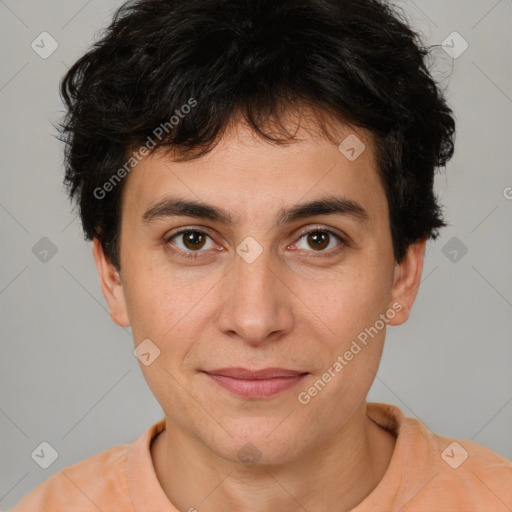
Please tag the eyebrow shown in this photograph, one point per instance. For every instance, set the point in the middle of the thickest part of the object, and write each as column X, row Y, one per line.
column 330, row 205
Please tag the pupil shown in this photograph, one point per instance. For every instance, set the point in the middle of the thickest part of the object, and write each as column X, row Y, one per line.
column 318, row 239
column 191, row 239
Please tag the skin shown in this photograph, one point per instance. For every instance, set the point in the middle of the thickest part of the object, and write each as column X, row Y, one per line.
column 285, row 309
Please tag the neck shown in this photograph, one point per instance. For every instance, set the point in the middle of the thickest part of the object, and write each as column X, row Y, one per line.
column 335, row 474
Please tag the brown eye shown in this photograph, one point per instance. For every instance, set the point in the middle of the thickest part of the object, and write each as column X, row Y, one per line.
column 190, row 241
column 318, row 240
column 322, row 241
column 193, row 240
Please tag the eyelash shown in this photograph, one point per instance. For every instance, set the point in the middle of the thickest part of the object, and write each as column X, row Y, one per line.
column 324, row 254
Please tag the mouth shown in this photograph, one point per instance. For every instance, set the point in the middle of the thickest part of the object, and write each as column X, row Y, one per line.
column 256, row 383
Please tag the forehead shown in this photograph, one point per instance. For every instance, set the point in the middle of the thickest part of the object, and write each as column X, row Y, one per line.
column 247, row 175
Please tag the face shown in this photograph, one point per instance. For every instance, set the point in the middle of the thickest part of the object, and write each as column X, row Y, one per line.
column 257, row 279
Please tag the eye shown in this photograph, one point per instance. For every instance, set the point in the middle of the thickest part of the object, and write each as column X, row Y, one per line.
column 193, row 243
column 322, row 241
column 189, row 242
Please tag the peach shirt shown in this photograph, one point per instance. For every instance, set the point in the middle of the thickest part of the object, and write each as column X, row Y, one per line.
column 427, row 473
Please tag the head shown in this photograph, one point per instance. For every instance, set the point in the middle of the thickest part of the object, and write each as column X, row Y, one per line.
column 296, row 141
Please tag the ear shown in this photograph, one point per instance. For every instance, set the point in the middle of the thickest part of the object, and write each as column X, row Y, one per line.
column 111, row 285
column 406, row 282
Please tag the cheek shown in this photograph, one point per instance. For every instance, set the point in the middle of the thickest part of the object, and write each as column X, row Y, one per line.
column 162, row 310
column 168, row 306
column 151, row 294
column 351, row 358
column 350, row 300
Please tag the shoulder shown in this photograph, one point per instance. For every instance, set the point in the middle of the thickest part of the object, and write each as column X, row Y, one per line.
column 89, row 485
column 429, row 471
column 484, row 468
column 466, row 475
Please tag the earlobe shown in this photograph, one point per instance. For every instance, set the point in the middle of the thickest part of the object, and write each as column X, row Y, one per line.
column 406, row 282
column 111, row 285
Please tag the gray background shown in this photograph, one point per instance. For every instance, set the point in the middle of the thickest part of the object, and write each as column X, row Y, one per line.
column 68, row 374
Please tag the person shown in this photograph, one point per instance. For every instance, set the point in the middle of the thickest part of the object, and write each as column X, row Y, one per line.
column 256, row 177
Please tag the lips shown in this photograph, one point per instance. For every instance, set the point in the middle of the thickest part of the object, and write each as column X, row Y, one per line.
column 265, row 373
column 256, row 384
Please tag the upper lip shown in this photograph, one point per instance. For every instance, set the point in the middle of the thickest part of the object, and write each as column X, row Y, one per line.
column 265, row 373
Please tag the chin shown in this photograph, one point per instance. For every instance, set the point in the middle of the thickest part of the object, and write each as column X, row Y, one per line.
column 258, row 441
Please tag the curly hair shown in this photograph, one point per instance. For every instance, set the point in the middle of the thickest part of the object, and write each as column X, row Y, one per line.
column 357, row 61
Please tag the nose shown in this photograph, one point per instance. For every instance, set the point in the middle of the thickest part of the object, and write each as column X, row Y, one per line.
column 256, row 303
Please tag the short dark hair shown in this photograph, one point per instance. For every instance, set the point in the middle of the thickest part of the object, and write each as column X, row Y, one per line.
column 357, row 61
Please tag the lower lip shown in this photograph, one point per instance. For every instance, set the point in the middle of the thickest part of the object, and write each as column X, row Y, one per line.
column 256, row 388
